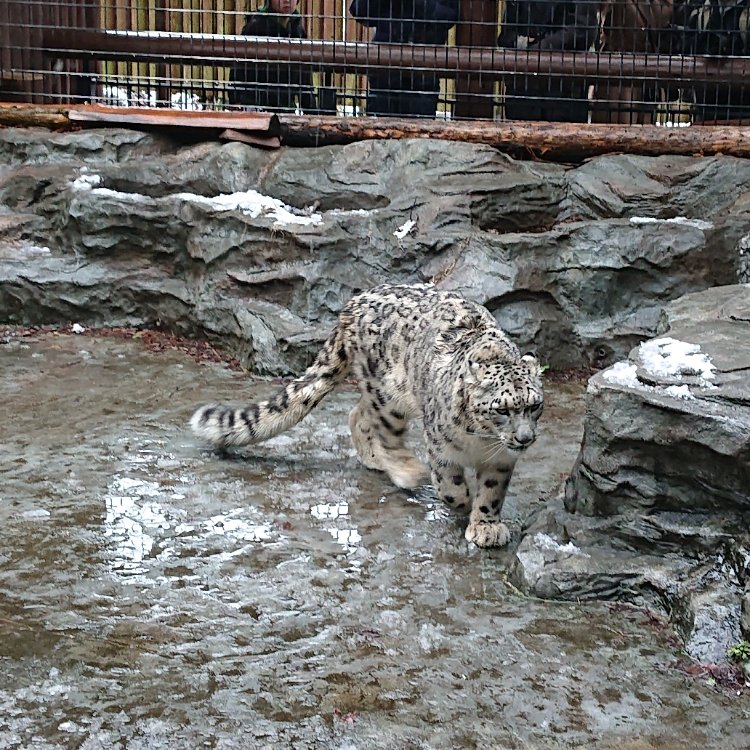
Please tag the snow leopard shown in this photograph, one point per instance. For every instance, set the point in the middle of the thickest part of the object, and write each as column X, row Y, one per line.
column 415, row 351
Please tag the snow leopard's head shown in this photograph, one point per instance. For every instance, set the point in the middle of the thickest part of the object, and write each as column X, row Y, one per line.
column 504, row 394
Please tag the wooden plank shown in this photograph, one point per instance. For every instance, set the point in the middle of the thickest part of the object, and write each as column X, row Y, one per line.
column 252, row 121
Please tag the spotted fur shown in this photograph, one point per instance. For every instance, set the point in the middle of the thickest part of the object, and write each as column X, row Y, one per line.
column 415, row 351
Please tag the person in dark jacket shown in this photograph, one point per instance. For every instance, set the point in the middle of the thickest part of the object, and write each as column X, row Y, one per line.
column 405, row 92
column 722, row 28
column 273, row 85
column 548, row 25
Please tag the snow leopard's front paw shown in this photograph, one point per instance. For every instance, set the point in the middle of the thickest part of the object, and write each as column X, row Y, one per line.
column 485, row 534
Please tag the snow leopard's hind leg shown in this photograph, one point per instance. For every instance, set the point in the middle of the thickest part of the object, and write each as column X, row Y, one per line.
column 378, row 432
column 363, row 436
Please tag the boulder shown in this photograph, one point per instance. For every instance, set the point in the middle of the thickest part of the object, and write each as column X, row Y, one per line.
column 656, row 509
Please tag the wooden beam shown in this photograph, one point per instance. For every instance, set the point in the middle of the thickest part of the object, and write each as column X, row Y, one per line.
column 357, row 57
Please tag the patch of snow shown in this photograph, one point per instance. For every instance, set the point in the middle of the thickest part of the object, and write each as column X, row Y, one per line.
column 37, row 513
column 348, row 538
column 430, row 637
column 87, row 181
column 144, row 98
column 545, row 541
column 350, row 211
column 70, row 726
column 404, row 229
column 681, row 220
column 116, row 96
column 679, row 391
column 253, row 204
column 665, row 357
column 668, row 357
column 37, row 250
column 238, row 528
column 330, row 510
column 346, row 110
column 77, row 328
column 186, row 101
column 119, row 96
column 622, row 373
column 250, row 202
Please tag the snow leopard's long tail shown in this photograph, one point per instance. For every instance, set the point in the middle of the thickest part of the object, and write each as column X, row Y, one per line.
column 225, row 426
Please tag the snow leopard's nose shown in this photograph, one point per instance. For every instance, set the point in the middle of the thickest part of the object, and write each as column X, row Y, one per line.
column 524, row 435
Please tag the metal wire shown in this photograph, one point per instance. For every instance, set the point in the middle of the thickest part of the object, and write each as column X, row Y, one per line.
column 668, row 62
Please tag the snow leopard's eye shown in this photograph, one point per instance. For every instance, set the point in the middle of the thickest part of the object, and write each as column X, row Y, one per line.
column 500, row 409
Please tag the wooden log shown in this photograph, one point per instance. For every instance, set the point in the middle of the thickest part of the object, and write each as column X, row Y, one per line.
column 569, row 142
column 34, row 115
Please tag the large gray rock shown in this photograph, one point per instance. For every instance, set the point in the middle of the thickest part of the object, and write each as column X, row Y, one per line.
column 558, row 254
column 670, row 429
column 656, row 508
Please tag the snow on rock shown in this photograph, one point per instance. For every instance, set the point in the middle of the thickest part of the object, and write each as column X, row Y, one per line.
column 254, row 204
column 404, row 229
column 681, row 220
column 546, row 542
column 86, row 181
column 622, row 373
column 664, row 357
column 668, row 357
column 250, row 202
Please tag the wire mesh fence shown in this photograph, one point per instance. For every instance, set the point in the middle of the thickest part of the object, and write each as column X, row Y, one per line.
column 626, row 61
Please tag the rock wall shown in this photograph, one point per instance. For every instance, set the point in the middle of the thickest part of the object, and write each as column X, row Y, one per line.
column 260, row 249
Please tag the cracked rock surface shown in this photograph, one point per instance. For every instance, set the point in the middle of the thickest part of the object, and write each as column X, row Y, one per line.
column 260, row 250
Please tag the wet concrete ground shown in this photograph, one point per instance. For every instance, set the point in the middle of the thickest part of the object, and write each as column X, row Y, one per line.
column 154, row 595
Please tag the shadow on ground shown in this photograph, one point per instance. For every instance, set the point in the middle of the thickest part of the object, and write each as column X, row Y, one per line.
column 155, row 595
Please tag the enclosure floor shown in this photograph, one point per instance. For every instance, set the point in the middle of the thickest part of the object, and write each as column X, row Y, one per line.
column 156, row 595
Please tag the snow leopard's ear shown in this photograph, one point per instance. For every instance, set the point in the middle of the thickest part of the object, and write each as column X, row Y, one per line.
column 458, row 335
column 532, row 363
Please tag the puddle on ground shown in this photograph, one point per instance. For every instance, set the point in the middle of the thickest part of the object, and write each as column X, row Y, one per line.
column 156, row 595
